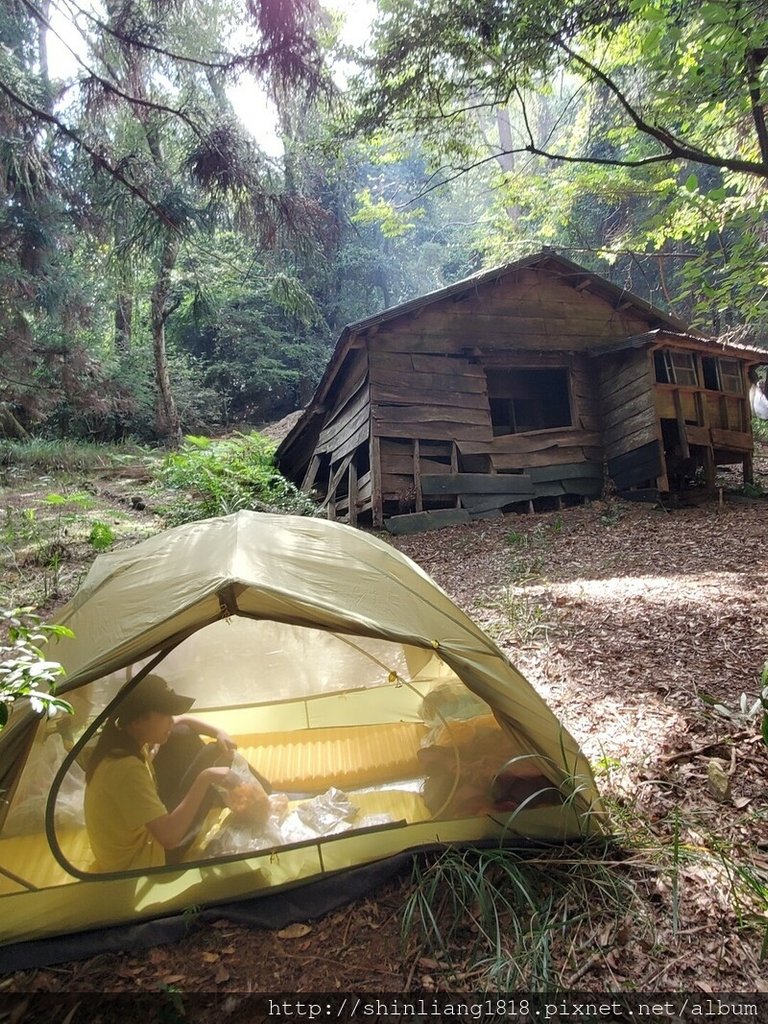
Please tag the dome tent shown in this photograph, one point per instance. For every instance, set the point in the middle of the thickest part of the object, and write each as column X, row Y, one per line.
column 334, row 661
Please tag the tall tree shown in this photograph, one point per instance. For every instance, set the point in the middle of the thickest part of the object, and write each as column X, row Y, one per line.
column 146, row 117
column 665, row 98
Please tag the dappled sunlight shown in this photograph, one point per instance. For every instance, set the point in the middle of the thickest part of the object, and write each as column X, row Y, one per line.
column 699, row 588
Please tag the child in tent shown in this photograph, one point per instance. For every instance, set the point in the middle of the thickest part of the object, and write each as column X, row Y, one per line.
column 141, row 813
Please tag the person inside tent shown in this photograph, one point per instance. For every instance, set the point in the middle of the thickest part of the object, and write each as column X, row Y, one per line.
column 151, row 779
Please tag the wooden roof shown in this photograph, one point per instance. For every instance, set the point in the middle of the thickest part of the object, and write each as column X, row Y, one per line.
column 732, row 349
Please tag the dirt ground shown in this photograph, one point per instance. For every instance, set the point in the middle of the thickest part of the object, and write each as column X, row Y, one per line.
column 633, row 622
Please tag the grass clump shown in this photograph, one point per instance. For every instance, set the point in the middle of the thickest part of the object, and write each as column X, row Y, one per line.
column 215, row 478
column 41, row 455
column 502, row 920
column 523, row 619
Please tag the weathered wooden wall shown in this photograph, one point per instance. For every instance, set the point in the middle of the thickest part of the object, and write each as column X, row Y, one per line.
column 628, row 416
column 429, row 381
column 529, row 309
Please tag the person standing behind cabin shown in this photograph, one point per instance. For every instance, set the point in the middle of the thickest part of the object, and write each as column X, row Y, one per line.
column 128, row 824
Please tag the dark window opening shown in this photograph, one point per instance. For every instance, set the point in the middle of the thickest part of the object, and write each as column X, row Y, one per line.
column 711, row 373
column 529, row 399
column 675, row 368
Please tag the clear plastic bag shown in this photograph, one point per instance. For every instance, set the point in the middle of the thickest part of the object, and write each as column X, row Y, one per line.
column 324, row 815
column 27, row 813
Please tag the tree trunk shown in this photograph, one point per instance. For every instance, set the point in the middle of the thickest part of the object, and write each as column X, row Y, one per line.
column 123, row 322
column 506, row 157
column 167, row 423
column 42, row 53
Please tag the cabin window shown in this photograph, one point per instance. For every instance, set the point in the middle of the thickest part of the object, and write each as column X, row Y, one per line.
column 722, row 375
column 676, row 368
column 529, row 398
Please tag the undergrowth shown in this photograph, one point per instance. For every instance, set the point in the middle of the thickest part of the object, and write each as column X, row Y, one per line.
column 506, row 920
column 42, row 455
column 213, row 478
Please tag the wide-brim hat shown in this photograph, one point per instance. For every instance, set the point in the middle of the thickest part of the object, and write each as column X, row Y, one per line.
column 153, row 694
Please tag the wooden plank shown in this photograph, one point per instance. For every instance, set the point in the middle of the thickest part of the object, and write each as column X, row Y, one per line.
column 352, row 442
column 377, row 504
column 641, row 454
column 429, row 413
column 513, row 444
column 351, row 375
column 406, row 394
column 642, row 473
column 438, row 382
column 612, row 400
column 476, row 483
column 353, row 493
column 697, row 435
column 338, row 431
column 421, row 522
column 549, row 489
column 494, row 513
column 732, row 439
column 637, row 439
column 520, row 358
column 404, row 464
column 446, row 364
column 416, row 468
column 438, row 430
column 551, row 457
column 685, row 450
column 618, row 372
column 477, row 503
column 591, row 488
column 309, row 479
column 346, row 408
column 397, row 488
column 502, row 336
column 335, row 478
column 643, row 400
column 644, row 418
column 570, row 471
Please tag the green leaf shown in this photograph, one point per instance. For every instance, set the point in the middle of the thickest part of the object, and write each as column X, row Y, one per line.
column 692, row 183
column 3, row 715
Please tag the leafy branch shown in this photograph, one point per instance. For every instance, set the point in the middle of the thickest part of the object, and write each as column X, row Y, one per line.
column 25, row 674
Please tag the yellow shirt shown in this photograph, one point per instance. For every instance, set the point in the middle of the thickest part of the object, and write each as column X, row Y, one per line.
column 119, row 801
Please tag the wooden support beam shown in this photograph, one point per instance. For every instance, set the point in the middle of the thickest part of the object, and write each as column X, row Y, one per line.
column 377, row 501
column 417, row 475
column 455, row 467
column 333, row 482
column 476, row 483
column 311, row 473
column 682, row 436
column 748, row 469
column 352, row 491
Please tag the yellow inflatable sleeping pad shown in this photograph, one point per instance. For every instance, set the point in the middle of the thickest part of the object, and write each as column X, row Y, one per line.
column 348, row 757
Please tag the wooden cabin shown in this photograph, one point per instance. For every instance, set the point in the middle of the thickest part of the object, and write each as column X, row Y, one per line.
column 534, row 383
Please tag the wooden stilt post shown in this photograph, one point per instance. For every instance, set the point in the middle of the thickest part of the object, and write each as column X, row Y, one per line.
column 352, row 492
column 377, row 501
column 417, row 475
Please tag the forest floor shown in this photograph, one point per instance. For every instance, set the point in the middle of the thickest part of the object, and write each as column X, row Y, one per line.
column 632, row 621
